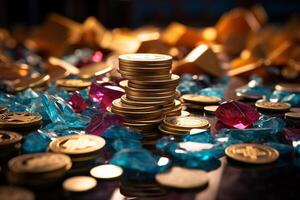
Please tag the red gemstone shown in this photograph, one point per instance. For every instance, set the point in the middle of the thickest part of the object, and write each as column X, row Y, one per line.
column 236, row 114
column 291, row 134
column 104, row 92
column 77, row 102
column 100, row 122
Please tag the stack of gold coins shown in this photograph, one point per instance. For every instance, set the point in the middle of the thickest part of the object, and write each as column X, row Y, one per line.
column 178, row 125
column 84, row 150
column 197, row 102
column 150, row 93
column 38, row 170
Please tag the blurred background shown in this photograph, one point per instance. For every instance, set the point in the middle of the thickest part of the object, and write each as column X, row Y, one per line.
column 134, row 13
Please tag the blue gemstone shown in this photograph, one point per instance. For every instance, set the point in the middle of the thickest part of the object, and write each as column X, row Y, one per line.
column 225, row 140
column 274, row 123
column 120, row 132
column 120, row 144
column 293, row 99
column 164, row 143
column 297, row 150
column 277, row 96
column 188, row 87
column 27, row 96
column 284, row 150
column 248, row 135
column 58, row 92
column 136, row 159
column 258, row 90
column 198, row 135
column 205, row 163
column 36, row 142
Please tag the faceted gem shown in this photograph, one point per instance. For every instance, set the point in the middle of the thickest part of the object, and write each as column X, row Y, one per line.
column 115, row 132
column 164, row 143
column 100, row 122
column 104, row 92
column 274, row 123
column 57, row 91
column 291, row 134
column 213, row 92
column 36, row 142
column 236, row 114
column 77, row 102
column 121, row 144
column 198, row 135
column 248, row 135
column 293, row 99
column 277, row 96
column 136, row 159
column 188, row 87
column 283, row 149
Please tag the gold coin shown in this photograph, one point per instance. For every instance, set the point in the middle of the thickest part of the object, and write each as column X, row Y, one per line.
column 77, row 144
column 117, row 104
column 15, row 193
column 145, row 75
column 175, row 129
column 79, row 183
column 289, row 87
column 33, row 81
column 186, row 122
column 138, row 115
column 161, row 86
column 9, row 138
column 139, row 121
column 175, row 133
column 252, row 153
column 73, row 83
column 292, row 115
column 183, row 178
column 39, row 163
column 272, row 106
column 184, row 113
column 95, row 69
column 145, row 58
column 201, row 99
column 151, row 98
column 123, row 83
column 140, row 69
column 149, row 94
column 297, row 110
column 19, row 119
column 210, row 109
column 106, row 171
column 173, row 80
column 127, row 101
column 152, row 90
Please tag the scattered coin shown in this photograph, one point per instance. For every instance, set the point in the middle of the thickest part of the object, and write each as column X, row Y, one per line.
column 272, row 106
column 294, row 109
column 210, row 110
column 252, row 153
column 289, row 87
column 292, row 115
column 200, row 99
column 106, row 171
column 183, row 178
column 186, row 122
column 73, row 83
column 79, row 184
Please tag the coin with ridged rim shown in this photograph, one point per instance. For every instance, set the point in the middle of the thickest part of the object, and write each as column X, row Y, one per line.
column 252, row 153
column 77, row 144
column 183, row 178
column 186, row 122
column 19, row 119
column 39, row 163
column 272, row 106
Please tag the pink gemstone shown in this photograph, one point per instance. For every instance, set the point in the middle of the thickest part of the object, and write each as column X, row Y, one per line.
column 77, row 102
column 96, row 57
column 291, row 134
column 104, row 92
column 236, row 114
column 100, row 122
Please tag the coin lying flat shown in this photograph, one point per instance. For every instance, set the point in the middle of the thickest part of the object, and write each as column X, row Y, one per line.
column 186, row 122
column 252, row 153
column 272, row 106
column 183, row 178
column 13, row 120
column 106, row 171
column 39, row 163
column 79, row 183
column 200, row 99
column 77, row 144
column 145, row 58
column 15, row 193
column 292, row 115
column 73, row 83
column 8, row 138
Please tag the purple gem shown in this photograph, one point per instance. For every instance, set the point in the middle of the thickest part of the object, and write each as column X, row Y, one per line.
column 100, row 122
column 236, row 114
column 77, row 102
column 291, row 134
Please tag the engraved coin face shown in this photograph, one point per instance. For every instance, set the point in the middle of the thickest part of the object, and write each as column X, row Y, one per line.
column 79, row 183
column 73, row 83
column 186, row 122
column 9, row 138
column 77, row 144
column 39, row 163
column 19, row 118
column 145, row 57
column 267, row 105
column 15, row 193
column 252, row 153
column 183, row 178
column 106, row 171
column 202, row 99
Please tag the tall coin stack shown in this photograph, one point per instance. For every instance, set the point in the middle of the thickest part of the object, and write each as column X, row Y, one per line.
column 150, row 92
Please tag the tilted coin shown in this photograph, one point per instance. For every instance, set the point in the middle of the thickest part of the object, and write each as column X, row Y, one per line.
column 297, row 110
column 94, row 69
column 106, row 171
column 8, row 138
column 77, row 144
column 73, row 83
column 3, row 109
column 200, row 99
column 183, row 178
column 39, row 163
column 292, row 115
column 272, row 106
column 186, row 122
column 173, row 80
column 17, row 120
column 289, row 87
column 15, row 193
column 28, row 82
column 252, row 153
column 79, row 183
